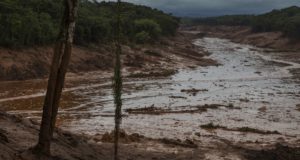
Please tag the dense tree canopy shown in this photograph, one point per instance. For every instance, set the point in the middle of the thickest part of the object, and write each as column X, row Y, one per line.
column 36, row 22
column 285, row 20
column 233, row 20
column 146, row 30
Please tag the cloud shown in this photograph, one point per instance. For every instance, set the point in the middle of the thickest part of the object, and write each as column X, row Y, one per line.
column 216, row 7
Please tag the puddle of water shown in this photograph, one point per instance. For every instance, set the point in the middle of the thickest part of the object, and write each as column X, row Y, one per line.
column 248, row 79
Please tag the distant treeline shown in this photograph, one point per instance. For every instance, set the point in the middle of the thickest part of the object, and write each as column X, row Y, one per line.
column 285, row 20
column 36, row 22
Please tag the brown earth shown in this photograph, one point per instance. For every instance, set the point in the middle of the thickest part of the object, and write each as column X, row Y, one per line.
column 18, row 135
column 169, row 53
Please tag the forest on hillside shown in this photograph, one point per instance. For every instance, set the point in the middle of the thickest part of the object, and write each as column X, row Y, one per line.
column 286, row 20
column 36, row 22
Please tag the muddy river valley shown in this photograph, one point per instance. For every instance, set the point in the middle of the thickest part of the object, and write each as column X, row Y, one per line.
column 251, row 98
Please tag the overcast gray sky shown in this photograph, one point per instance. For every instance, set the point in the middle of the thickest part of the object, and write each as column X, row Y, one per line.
column 216, row 7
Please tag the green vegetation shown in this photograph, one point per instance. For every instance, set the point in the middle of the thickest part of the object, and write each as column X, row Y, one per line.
column 233, row 20
column 36, row 22
column 146, row 29
column 285, row 20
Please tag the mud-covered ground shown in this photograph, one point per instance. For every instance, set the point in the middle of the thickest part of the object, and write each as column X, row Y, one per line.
column 235, row 110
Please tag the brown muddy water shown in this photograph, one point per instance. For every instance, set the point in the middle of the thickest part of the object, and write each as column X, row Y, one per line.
column 250, row 89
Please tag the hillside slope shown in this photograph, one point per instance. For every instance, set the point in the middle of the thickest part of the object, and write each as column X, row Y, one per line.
column 169, row 53
column 286, row 21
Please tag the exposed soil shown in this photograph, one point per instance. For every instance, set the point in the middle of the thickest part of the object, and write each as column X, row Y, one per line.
column 152, row 60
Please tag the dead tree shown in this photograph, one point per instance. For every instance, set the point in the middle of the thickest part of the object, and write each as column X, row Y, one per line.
column 117, row 82
column 60, row 61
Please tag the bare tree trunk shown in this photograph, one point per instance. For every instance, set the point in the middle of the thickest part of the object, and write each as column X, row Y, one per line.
column 118, row 83
column 60, row 61
column 72, row 8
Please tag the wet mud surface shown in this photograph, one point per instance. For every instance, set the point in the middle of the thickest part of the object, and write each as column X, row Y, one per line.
column 251, row 90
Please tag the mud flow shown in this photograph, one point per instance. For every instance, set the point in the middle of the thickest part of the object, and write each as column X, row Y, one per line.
column 251, row 98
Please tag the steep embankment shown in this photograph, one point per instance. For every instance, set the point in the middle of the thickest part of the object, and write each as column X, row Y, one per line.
column 169, row 53
column 242, row 34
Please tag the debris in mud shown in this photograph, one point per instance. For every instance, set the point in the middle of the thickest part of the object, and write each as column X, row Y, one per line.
column 140, row 87
column 147, row 110
column 176, row 97
column 153, row 53
column 280, row 152
column 244, row 100
column 230, row 105
column 163, row 73
column 298, row 107
column 158, row 111
column 211, row 126
column 187, row 143
column 217, row 106
column 262, row 109
column 257, row 72
column 253, row 130
column 193, row 91
column 180, row 109
column 124, row 137
column 3, row 137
